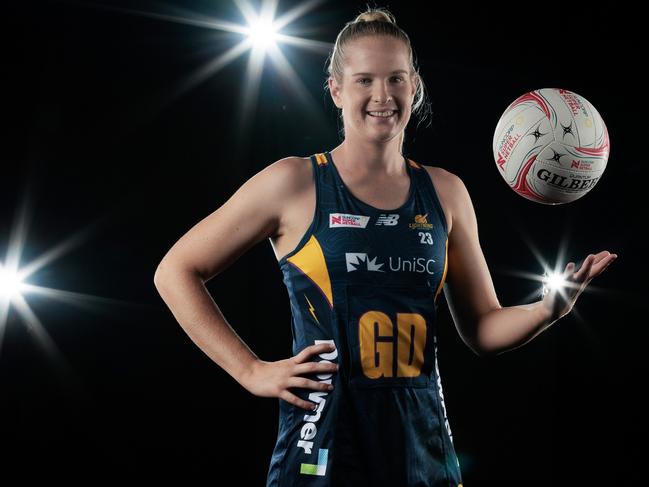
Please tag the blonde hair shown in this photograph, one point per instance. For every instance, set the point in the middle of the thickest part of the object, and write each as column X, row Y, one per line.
column 375, row 22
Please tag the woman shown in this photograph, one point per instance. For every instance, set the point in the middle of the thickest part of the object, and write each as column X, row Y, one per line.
column 366, row 239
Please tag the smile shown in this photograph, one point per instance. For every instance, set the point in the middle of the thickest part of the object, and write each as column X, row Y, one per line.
column 387, row 114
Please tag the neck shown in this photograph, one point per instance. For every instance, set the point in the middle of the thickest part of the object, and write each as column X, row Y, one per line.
column 368, row 158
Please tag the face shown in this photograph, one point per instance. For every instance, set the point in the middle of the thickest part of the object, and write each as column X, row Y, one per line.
column 380, row 89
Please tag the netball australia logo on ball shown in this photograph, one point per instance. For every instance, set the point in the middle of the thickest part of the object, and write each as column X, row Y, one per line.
column 420, row 223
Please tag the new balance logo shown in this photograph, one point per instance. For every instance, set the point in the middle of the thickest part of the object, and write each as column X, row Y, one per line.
column 389, row 220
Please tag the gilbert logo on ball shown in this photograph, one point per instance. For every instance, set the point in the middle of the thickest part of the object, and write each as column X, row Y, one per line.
column 551, row 146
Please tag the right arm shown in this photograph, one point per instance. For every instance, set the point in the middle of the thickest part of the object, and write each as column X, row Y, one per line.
column 251, row 214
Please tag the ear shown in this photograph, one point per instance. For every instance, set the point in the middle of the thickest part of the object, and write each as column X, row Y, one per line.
column 415, row 84
column 334, row 89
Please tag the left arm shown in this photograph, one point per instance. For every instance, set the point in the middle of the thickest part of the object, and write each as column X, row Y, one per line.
column 485, row 326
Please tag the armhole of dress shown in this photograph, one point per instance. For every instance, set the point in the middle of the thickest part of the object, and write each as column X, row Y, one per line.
column 315, row 220
column 438, row 202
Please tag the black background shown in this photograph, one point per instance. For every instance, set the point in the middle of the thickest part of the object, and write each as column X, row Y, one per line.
column 109, row 157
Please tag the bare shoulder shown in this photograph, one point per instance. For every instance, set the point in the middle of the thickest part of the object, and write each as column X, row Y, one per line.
column 287, row 176
column 293, row 174
column 300, row 169
column 447, row 185
column 288, row 173
column 298, row 202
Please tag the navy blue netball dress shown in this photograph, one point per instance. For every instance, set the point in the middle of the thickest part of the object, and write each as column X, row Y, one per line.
column 367, row 280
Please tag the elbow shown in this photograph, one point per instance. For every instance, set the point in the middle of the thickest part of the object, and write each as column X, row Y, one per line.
column 159, row 273
column 479, row 350
column 483, row 343
column 471, row 339
column 485, row 352
column 160, row 276
column 168, row 271
column 475, row 346
column 482, row 348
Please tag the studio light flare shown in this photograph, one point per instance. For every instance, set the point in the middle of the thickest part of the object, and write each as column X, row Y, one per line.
column 552, row 281
column 11, row 283
column 262, row 33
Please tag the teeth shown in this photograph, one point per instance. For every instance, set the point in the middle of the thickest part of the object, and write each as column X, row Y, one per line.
column 382, row 114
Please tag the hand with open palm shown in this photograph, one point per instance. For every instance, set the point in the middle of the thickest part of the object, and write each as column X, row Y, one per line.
column 560, row 300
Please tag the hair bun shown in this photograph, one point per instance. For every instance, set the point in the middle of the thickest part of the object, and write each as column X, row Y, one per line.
column 376, row 15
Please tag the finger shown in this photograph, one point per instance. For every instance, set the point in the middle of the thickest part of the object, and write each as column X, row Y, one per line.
column 610, row 260
column 315, row 367
column 303, row 383
column 597, row 264
column 569, row 278
column 604, row 263
column 569, row 270
column 604, row 255
column 585, row 268
column 314, row 349
column 296, row 401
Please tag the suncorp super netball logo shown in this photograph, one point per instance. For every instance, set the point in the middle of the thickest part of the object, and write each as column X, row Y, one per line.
column 347, row 220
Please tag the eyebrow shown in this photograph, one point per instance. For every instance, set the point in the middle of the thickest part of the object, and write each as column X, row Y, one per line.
column 393, row 72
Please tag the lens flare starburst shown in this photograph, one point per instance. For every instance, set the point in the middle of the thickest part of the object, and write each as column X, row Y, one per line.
column 552, row 280
column 16, row 286
column 262, row 38
column 262, row 34
column 11, row 283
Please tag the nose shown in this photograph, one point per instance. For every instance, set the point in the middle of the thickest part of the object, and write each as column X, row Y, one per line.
column 381, row 94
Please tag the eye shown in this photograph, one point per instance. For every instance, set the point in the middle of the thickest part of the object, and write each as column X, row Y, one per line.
column 361, row 80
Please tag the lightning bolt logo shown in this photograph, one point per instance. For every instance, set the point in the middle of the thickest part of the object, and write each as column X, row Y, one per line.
column 311, row 308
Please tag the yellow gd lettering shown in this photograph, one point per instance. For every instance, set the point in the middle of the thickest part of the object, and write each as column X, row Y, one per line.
column 377, row 344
